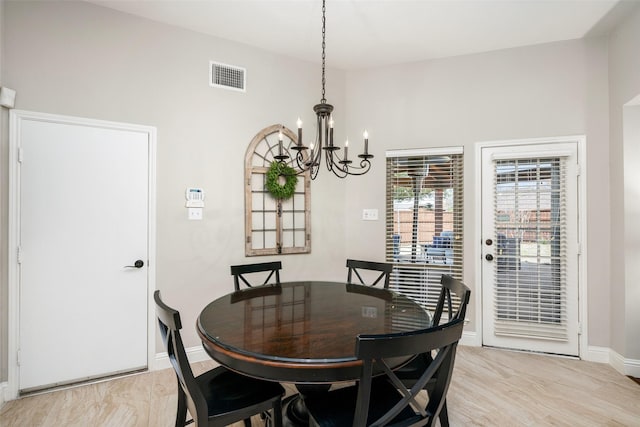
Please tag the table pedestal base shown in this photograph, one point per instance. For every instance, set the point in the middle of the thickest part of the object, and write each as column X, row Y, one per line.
column 294, row 412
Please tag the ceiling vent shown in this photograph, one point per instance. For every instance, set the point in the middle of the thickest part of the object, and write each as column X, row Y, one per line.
column 227, row 76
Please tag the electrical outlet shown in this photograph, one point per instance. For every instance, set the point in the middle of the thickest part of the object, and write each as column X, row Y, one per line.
column 370, row 214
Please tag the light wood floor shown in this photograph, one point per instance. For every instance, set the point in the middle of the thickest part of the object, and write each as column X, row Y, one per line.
column 490, row 388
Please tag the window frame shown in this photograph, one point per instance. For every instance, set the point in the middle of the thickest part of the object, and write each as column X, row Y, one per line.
column 417, row 273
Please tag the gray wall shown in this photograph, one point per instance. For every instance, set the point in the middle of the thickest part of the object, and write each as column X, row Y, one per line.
column 624, row 86
column 83, row 60
column 547, row 90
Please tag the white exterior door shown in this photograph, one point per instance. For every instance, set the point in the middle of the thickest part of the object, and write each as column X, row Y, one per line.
column 83, row 220
column 530, row 247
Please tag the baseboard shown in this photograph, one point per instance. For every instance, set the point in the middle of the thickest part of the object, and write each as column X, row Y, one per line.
column 597, row 354
column 3, row 390
column 471, row 339
column 195, row 354
column 625, row 366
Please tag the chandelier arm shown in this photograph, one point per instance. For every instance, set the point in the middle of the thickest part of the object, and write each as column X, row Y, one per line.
column 313, row 171
column 331, row 165
column 364, row 167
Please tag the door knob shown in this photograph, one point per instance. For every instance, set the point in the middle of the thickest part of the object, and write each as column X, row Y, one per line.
column 489, row 242
column 488, row 257
column 138, row 264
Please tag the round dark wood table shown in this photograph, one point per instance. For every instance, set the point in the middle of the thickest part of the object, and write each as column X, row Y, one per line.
column 302, row 332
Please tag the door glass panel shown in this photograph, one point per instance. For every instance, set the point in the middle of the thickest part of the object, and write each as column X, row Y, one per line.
column 530, row 223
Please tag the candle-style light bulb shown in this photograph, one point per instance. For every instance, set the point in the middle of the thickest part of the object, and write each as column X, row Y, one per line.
column 330, row 131
column 311, row 157
column 299, row 123
column 346, row 150
column 280, row 142
column 365, row 135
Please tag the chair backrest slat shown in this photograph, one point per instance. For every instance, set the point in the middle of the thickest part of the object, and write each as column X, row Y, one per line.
column 238, row 272
column 383, row 268
column 454, row 295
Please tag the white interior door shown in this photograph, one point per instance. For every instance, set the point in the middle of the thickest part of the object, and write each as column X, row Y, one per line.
column 83, row 219
column 530, row 254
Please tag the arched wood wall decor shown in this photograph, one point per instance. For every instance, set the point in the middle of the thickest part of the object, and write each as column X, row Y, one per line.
column 274, row 226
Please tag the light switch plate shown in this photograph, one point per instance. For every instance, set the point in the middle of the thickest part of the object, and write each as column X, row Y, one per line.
column 370, row 214
column 7, row 97
column 195, row 213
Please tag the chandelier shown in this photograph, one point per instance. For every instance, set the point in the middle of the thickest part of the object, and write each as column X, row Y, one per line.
column 310, row 158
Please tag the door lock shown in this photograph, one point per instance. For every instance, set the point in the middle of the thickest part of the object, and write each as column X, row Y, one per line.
column 488, row 257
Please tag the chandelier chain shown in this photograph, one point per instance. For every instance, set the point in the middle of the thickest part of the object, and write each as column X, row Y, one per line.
column 323, row 100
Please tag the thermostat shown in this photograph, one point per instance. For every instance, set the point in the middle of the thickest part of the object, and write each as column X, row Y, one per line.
column 195, row 198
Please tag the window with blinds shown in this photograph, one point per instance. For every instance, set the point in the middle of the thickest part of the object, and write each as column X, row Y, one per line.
column 424, row 205
column 530, row 268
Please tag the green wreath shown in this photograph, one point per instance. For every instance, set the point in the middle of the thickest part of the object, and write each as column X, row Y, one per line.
column 277, row 190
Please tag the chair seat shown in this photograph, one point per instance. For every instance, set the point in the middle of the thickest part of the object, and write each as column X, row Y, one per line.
column 336, row 408
column 226, row 391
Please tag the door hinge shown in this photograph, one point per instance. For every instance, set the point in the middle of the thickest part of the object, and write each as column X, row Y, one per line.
column 20, row 155
column 19, row 255
column 579, row 328
column 18, row 357
column 578, row 170
column 248, row 239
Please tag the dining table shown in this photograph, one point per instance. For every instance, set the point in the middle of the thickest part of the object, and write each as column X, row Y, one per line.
column 303, row 332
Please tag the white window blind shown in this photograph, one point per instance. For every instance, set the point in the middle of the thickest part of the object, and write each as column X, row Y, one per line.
column 531, row 259
column 424, row 235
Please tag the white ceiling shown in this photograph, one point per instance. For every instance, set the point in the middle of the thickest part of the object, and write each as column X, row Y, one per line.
column 369, row 33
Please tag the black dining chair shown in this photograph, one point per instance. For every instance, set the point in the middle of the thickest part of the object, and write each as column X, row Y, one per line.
column 377, row 398
column 451, row 306
column 238, row 272
column 218, row 397
column 356, row 267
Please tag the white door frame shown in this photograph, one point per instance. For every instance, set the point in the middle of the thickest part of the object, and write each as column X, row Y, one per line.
column 13, row 299
column 582, row 231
